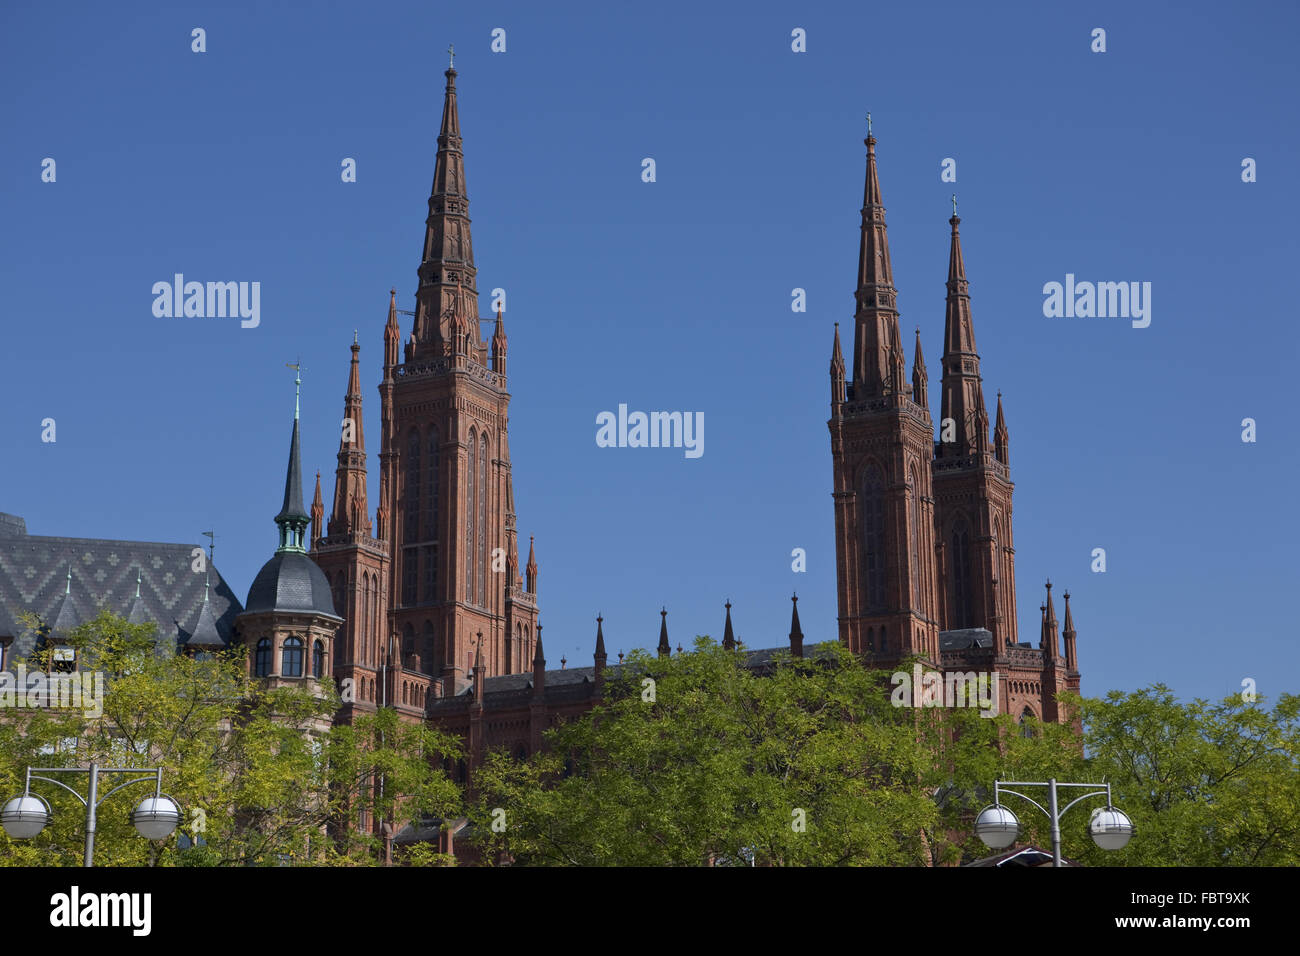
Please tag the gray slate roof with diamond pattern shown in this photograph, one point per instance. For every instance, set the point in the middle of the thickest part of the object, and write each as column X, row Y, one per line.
column 34, row 576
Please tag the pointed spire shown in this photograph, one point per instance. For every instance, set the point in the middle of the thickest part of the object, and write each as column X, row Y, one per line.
column 539, row 664
column 350, row 512
column 138, row 613
column 728, row 636
column 499, row 344
column 599, row 657
column 205, row 632
column 478, row 673
column 877, row 351
column 67, row 617
column 446, row 310
column 796, row 632
column 392, row 334
column 920, row 377
column 837, row 370
column 664, row 647
column 1071, row 658
column 317, row 511
column 1000, row 437
column 531, row 569
column 1048, row 641
column 293, row 518
column 963, row 394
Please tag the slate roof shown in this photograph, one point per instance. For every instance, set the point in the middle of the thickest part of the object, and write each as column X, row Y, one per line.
column 964, row 638
column 292, row 508
column 34, row 576
column 291, row 582
column 572, row 682
column 205, row 633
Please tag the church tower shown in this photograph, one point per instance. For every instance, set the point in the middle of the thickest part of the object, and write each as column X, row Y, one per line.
column 972, row 483
column 354, row 557
column 447, row 507
column 289, row 622
column 881, row 446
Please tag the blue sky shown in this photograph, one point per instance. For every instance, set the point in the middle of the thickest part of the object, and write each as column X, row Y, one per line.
column 1115, row 166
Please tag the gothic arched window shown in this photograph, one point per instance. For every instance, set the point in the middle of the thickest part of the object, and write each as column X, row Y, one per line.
column 960, row 571
column 368, row 642
column 914, row 519
column 427, row 644
column 430, row 502
column 411, row 524
column 482, row 519
column 997, row 570
column 1026, row 725
column 871, row 511
column 262, row 658
column 408, row 644
column 291, row 657
column 412, row 527
column 318, row 659
column 471, row 532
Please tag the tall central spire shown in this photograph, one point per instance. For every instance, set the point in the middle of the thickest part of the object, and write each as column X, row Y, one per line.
column 877, row 352
column 963, row 393
column 447, row 299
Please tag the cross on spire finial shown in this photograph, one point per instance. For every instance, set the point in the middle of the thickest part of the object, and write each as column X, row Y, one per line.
column 868, row 124
column 451, row 50
column 954, row 205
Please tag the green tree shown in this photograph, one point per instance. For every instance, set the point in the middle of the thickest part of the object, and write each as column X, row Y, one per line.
column 695, row 759
column 261, row 775
column 1207, row 784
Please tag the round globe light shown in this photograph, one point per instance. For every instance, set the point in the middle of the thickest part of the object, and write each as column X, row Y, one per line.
column 24, row 817
column 997, row 827
column 156, row 817
column 1111, row 829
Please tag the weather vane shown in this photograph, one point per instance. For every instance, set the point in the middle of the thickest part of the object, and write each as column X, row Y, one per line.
column 297, row 384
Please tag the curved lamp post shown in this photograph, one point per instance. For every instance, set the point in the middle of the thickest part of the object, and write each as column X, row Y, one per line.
column 154, row 818
column 997, row 826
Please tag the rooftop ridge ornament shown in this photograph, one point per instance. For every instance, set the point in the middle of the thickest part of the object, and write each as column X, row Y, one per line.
column 297, row 386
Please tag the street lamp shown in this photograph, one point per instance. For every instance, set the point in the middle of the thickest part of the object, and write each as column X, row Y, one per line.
column 997, row 826
column 154, row 818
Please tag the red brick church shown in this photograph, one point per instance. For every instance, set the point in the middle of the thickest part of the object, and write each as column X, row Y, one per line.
column 428, row 608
